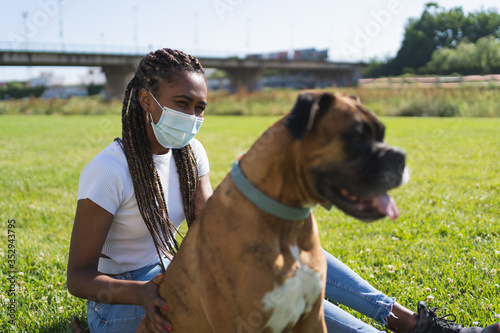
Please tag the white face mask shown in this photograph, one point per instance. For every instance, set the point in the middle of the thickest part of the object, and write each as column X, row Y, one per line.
column 175, row 129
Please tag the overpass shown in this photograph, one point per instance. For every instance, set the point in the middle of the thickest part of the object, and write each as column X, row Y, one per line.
column 119, row 65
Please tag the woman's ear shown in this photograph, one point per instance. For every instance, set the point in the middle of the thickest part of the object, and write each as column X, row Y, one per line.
column 145, row 100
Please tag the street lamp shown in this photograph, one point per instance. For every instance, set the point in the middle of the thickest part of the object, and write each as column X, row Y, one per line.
column 135, row 29
column 25, row 32
column 61, row 31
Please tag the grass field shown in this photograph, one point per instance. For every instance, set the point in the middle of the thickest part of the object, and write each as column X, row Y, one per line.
column 444, row 248
column 393, row 101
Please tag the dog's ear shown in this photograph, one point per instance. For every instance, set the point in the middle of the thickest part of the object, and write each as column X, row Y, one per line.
column 355, row 98
column 308, row 109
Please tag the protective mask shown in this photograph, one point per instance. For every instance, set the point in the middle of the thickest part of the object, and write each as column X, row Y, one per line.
column 175, row 129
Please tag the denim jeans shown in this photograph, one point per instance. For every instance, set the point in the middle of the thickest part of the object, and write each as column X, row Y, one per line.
column 119, row 318
column 343, row 286
column 346, row 287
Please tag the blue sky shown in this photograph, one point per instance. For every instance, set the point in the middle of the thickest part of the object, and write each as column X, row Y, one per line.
column 351, row 30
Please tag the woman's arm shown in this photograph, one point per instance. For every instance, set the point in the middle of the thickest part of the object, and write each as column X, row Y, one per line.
column 90, row 229
column 203, row 193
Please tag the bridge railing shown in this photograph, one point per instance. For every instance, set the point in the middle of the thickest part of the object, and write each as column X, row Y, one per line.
column 27, row 46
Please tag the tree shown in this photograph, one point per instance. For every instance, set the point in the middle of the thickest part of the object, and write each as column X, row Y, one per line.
column 437, row 29
column 15, row 89
column 488, row 54
column 375, row 68
column 482, row 57
column 481, row 24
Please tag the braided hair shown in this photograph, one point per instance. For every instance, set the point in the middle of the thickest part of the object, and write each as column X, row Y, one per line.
column 161, row 66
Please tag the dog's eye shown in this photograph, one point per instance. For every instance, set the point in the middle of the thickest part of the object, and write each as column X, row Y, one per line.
column 359, row 138
column 361, row 133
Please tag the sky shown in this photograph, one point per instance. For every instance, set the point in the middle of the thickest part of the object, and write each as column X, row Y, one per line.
column 351, row 30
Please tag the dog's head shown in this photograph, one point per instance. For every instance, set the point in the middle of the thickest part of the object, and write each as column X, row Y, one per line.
column 344, row 155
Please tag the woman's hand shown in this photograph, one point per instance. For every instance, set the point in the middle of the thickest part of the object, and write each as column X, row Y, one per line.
column 152, row 303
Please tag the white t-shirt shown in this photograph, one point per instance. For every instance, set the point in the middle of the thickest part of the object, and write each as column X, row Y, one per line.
column 107, row 182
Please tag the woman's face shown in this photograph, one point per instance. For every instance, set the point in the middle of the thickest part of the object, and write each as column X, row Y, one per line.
column 187, row 93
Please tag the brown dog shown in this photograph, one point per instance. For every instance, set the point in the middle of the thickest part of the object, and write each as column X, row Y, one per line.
column 253, row 261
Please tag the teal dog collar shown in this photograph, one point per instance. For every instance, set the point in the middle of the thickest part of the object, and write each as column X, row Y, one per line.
column 267, row 204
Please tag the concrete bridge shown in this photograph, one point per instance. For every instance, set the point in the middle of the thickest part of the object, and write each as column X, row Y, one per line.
column 119, row 67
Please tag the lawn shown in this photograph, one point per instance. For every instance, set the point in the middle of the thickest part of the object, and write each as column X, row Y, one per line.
column 443, row 248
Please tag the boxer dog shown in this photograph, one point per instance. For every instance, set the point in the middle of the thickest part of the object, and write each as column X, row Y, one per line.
column 253, row 260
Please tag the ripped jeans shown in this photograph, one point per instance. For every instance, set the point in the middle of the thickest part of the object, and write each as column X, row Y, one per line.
column 346, row 287
column 343, row 286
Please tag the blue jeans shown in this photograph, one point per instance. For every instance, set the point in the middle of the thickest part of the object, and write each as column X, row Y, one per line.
column 346, row 287
column 343, row 286
column 119, row 318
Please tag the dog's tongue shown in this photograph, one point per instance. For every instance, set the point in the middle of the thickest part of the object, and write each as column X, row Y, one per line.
column 386, row 205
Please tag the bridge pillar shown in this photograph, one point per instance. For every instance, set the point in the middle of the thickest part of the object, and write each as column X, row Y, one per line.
column 244, row 78
column 117, row 78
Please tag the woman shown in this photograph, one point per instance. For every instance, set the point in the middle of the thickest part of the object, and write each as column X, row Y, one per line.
column 135, row 193
column 129, row 199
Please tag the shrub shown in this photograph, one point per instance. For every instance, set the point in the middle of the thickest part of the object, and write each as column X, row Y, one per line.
column 430, row 109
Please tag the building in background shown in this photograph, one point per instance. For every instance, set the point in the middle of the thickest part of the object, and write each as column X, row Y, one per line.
column 46, row 79
column 94, row 76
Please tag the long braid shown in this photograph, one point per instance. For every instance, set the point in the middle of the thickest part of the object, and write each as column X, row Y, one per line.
column 157, row 67
column 189, row 181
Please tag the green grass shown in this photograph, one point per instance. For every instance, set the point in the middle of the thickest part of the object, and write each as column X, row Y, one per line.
column 444, row 245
